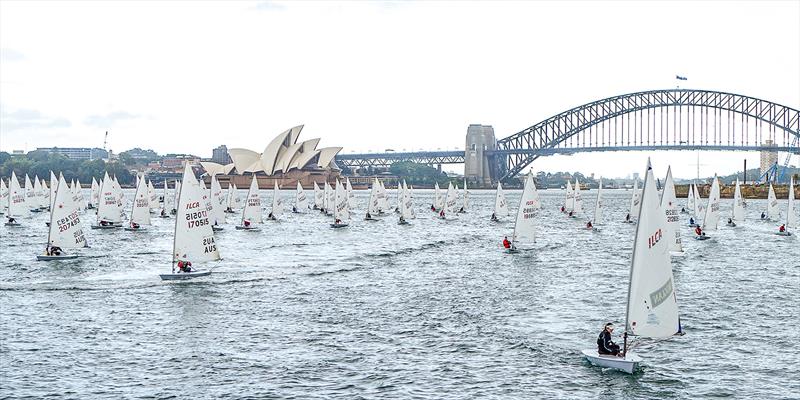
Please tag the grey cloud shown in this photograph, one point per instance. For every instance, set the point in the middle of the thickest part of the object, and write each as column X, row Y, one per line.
column 29, row 119
column 107, row 120
column 7, row 54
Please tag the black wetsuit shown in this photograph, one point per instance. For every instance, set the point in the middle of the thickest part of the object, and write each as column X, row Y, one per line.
column 605, row 345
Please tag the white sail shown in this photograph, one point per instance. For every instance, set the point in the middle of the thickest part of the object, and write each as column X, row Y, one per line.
column 407, row 208
column 217, row 201
column 465, row 204
column 569, row 201
column 340, row 211
column 194, row 238
column 140, row 210
column 95, row 199
column 451, row 199
column 237, row 201
column 383, row 198
column 152, row 197
column 652, row 309
column 500, row 205
column 400, row 197
column 525, row 224
column 670, row 207
column 635, row 199
column 437, row 197
column 598, row 205
column 300, row 200
column 109, row 208
column 277, row 204
column 252, row 205
column 45, row 200
column 791, row 218
column 772, row 205
column 53, row 187
column 16, row 199
column 738, row 204
column 38, row 193
column 578, row 208
column 711, row 219
column 319, row 197
column 30, row 194
column 690, row 200
column 76, row 193
column 177, row 194
column 119, row 194
column 372, row 207
column 698, row 202
column 3, row 197
column 165, row 205
column 327, row 204
column 351, row 197
column 66, row 230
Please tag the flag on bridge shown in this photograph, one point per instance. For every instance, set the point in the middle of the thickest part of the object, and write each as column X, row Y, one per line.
column 681, row 78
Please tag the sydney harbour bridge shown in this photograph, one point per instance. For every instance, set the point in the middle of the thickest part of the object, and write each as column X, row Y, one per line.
column 671, row 119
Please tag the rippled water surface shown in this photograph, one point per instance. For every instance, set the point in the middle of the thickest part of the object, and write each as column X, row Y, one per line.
column 377, row 310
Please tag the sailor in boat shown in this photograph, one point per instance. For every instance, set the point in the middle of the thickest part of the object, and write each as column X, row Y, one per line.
column 246, row 223
column 11, row 220
column 53, row 251
column 506, row 243
column 782, row 228
column 337, row 221
column 571, row 213
column 229, row 210
column 433, row 208
column 185, row 266
column 699, row 232
column 105, row 223
column 494, row 217
column 134, row 225
column 294, row 209
column 163, row 213
column 402, row 220
column 730, row 222
column 563, row 209
column 605, row 346
column 763, row 216
column 441, row 214
column 369, row 216
column 628, row 217
column 461, row 210
column 683, row 210
column 271, row 217
column 691, row 221
column 589, row 225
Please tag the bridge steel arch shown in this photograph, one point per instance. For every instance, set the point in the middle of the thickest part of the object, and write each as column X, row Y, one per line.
column 671, row 116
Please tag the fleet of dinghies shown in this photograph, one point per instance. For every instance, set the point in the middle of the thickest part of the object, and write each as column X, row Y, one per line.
column 651, row 308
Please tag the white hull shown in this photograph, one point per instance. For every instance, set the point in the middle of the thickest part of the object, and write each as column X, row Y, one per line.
column 704, row 237
column 403, row 223
column 54, row 258
column 217, row 228
column 677, row 253
column 247, row 228
column 784, row 233
column 13, row 224
column 105, row 227
column 128, row 228
column 626, row 364
column 732, row 224
column 339, row 225
column 183, row 275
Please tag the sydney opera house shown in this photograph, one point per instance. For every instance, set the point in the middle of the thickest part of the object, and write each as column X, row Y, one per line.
column 285, row 160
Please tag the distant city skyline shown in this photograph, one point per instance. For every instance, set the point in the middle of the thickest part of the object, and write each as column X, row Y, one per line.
column 374, row 75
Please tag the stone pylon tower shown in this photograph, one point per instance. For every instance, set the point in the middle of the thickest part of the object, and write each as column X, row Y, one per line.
column 480, row 140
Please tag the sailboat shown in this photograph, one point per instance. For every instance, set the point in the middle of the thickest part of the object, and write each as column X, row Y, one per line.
column 689, row 199
column 95, row 196
column 79, row 192
column 652, row 307
column 351, row 198
column 597, row 219
column 300, row 200
column 165, row 205
column 217, row 210
column 277, row 206
column 437, row 202
column 341, row 214
column 109, row 214
column 140, row 208
column 737, row 215
column 383, row 199
column 232, row 198
column 577, row 201
column 697, row 207
column 773, row 213
column 30, row 196
column 450, row 202
column 791, row 219
column 635, row 203
column 66, row 230
column 53, row 187
column 525, row 226
column 327, row 201
column 194, row 239
column 711, row 218
column 16, row 202
column 3, row 197
column 569, row 199
column 372, row 206
column 38, row 195
column 669, row 204
column 406, row 207
column 399, row 197
column 319, row 197
column 465, row 204
column 251, row 214
column 177, row 194
column 500, row 205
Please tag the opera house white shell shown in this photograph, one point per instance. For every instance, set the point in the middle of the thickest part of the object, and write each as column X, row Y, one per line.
column 283, row 154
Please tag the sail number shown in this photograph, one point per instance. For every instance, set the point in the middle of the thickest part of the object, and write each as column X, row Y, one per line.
column 654, row 238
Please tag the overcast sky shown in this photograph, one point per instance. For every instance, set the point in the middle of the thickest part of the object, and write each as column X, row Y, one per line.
column 189, row 76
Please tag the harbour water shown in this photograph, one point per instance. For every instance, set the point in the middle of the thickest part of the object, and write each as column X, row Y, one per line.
column 377, row 310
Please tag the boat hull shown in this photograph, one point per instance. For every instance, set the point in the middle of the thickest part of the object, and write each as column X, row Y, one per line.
column 245, row 228
column 127, row 228
column 677, row 253
column 627, row 364
column 217, row 228
column 55, row 258
column 732, row 224
column 784, row 233
column 13, row 224
column 339, row 225
column 183, row 275
column 704, row 237
column 105, row 227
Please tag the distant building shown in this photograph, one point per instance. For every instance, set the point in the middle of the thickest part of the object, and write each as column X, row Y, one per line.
column 220, row 155
column 176, row 161
column 76, row 153
column 480, row 140
column 768, row 158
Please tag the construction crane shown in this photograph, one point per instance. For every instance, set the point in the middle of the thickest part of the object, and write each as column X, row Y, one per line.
column 105, row 142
